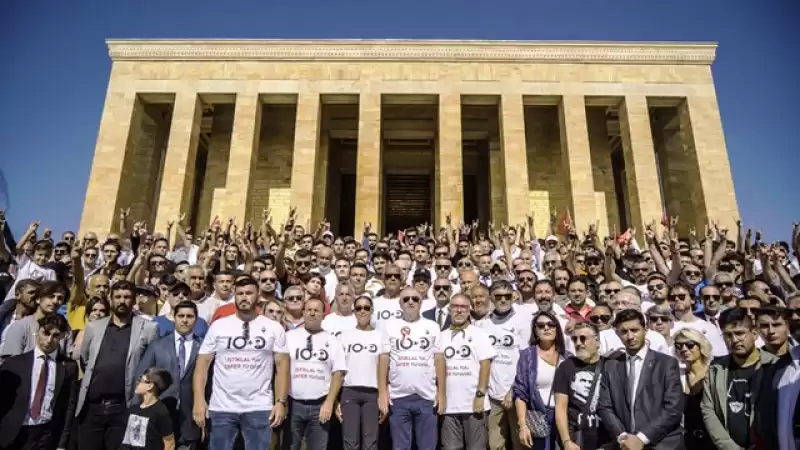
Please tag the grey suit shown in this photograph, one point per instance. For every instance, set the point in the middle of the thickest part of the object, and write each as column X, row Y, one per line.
column 143, row 332
column 179, row 397
column 21, row 338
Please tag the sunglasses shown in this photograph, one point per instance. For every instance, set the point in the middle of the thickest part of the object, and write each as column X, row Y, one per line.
column 604, row 318
column 441, row 288
column 656, row 287
column 271, row 280
column 641, row 270
column 361, row 308
column 593, row 262
column 411, row 299
column 302, row 263
column 679, row 297
column 660, row 319
column 309, row 342
column 725, row 284
column 525, row 279
column 273, row 311
column 688, row 345
column 611, row 291
column 294, row 298
column 246, row 331
column 440, row 255
column 545, row 325
column 711, row 297
column 691, row 273
column 442, row 267
column 580, row 338
column 395, row 276
column 464, row 265
column 503, row 296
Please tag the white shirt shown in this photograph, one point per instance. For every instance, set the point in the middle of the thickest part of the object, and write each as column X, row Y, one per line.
column 508, row 340
column 411, row 347
column 707, row 329
column 46, row 413
column 638, row 362
column 361, row 349
column 545, row 375
column 331, row 280
column 27, row 269
column 440, row 311
column 335, row 323
column 463, row 353
column 187, row 345
column 609, row 341
column 242, row 368
column 312, row 366
column 384, row 310
column 205, row 307
column 788, row 387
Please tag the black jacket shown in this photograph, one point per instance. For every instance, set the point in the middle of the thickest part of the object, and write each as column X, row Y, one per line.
column 431, row 315
column 15, row 380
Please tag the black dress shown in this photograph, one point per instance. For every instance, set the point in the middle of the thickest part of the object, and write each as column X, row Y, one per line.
column 695, row 434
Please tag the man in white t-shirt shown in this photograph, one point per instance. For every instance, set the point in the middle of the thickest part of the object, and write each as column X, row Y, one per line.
column 411, row 376
column 32, row 268
column 468, row 355
column 341, row 317
column 387, row 306
column 318, row 366
column 243, row 347
column 682, row 302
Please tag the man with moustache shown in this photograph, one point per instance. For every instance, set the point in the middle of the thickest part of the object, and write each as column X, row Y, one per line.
column 387, row 306
column 21, row 305
column 441, row 312
column 109, row 377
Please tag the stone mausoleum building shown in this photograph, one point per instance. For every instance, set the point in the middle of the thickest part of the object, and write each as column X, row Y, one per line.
column 401, row 132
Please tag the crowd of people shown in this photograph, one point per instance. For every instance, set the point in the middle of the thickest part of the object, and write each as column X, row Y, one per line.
column 466, row 337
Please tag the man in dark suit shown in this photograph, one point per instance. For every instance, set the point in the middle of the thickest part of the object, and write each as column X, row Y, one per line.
column 40, row 389
column 442, row 291
column 641, row 398
column 177, row 352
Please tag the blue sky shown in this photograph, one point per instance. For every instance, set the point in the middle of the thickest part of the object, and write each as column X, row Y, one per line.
column 55, row 67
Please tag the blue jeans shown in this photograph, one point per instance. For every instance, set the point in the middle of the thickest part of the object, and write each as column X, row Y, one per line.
column 304, row 424
column 413, row 416
column 254, row 427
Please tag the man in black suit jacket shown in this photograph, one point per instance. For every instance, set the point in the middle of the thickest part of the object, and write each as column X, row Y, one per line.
column 164, row 353
column 641, row 398
column 442, row 291
column 42, row 421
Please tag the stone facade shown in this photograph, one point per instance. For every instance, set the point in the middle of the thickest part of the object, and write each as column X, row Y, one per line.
column 611, row 132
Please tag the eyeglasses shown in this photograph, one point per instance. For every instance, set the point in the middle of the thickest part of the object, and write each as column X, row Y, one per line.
column 525, row 279
column 271, row 280
column 641, row 269
column 688, row 345
column 711, row 297
column 294, row 298
column 724, row 284
column 593, row 262
column 550, row 263
column 390, row 276
column 503, row 296
column 604, row 318
column 545, row 325
column 656, row 287
column 411, row 299
column 680, row 297
column 692, row 273
column 302, row 263
column 440, row 255
column 273, row 311
column 246, row 331
column 441, row 288
column 464, row 264
column 158, row 262
column 579, row 338
column 611, row 291
column 442, row 267
column 660, row 319
column 361, row 308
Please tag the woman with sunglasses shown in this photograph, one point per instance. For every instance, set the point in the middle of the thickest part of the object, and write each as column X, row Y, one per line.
column 694, row 353
column 536, row 371
column 358, row 405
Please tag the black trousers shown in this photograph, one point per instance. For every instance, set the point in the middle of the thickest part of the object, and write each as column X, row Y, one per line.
column 102, row 425
column 34, row 437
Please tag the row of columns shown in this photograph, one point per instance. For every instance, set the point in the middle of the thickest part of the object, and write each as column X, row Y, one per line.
column 642, row 179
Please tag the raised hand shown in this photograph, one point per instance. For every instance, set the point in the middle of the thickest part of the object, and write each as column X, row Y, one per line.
column 47, row 233
column 77, row 250
column 124, row 213
column 33, row 226
column 448, row 219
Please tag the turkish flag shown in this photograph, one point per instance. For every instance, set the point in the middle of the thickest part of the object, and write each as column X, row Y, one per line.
column 565, row 223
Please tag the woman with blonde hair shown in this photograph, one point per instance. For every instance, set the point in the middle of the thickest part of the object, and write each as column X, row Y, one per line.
column 693, row 351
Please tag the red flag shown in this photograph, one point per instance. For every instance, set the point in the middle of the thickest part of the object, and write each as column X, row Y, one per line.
column 665, row 220
column 565, row 223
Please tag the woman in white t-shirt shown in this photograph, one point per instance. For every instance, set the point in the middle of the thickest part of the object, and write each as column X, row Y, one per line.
column 358, row 407
column 536, row 371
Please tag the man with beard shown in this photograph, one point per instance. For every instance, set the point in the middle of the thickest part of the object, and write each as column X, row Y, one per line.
column 324, row 268
column 244, row 348
column 682, row 303
column 107, row 386
column 23, row 304
column 577, row 387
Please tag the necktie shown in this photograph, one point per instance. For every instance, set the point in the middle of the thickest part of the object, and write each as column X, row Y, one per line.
column 632, row 388
column 41, row 387
column 182, row 355
column 440, row 318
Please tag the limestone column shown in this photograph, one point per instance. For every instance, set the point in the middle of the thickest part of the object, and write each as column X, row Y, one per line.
column 321, row 180
column 514, row 157
column 497, row 184
column 116, row 138
column 602, row 171
column 244, row 151
column 304, row 161
column 641, row 173
column 212, row 194
column 449, row 166
column 576, row 160
column 369, row 164
column 701, row 133
column 177, row 177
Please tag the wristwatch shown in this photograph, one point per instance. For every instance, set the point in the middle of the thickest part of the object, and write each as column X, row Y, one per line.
column 480, row 394
column 282, row 401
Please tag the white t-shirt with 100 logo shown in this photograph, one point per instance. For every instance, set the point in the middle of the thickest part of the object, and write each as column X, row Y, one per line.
column 242, row 366
column 385, row 309
column 411, row 346
column 312, row 366
column 362, row 349
column 463, row 352
column 508, row 339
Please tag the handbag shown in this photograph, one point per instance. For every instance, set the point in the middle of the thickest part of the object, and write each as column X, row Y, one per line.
column 540, row 422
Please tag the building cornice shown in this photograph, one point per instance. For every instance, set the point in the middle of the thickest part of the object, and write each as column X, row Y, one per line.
column 409, row 50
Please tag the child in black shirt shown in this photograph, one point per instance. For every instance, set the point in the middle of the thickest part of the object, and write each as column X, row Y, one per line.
column 149, row 424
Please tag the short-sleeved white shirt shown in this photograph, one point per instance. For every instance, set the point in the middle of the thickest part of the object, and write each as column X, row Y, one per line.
column 385, row 309
column 362, row 349
column 242, row 367
column 312, row 366
column 463, row 352
column 411, row 347
column 508, row 339
column 334, row 323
